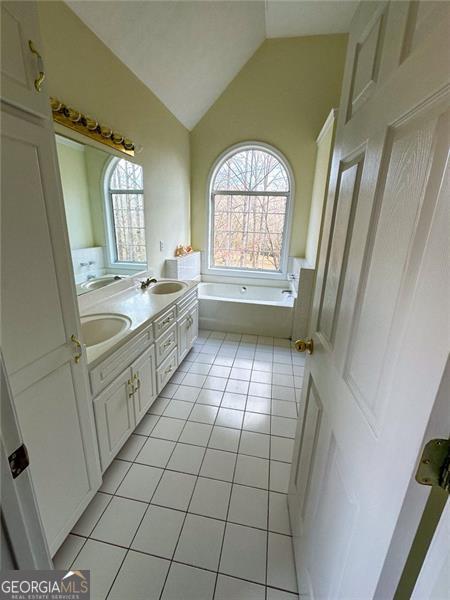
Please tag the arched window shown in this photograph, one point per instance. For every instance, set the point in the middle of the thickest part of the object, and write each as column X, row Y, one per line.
column 125, row 211
column 250, row 193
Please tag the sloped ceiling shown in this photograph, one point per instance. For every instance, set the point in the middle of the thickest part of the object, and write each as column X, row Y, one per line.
column 187, row 52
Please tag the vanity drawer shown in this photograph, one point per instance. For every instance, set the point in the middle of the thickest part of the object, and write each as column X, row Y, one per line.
column 166, row 370
column 112, row 366
column 166, row 343
column 162, row 323
column 183, row 304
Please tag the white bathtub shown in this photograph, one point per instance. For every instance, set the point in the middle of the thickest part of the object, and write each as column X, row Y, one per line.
column 253, row 309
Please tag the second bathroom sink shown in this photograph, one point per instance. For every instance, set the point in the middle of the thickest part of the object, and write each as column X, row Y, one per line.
column 167, row 287
column 101, row 328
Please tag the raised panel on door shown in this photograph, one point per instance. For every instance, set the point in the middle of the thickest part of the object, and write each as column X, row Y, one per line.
column 183, row 337
column 193, row 329
column 30, row 293
column 144, row 381
column 19, row 66
column 51, row 430
column 114, row 417
column 423, row 17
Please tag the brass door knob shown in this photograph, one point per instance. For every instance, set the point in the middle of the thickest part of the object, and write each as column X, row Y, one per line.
column 305, row 346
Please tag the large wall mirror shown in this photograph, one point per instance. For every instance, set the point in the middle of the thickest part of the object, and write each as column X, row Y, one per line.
column 104, row 203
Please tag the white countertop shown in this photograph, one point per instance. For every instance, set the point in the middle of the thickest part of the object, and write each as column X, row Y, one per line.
column 140, row 306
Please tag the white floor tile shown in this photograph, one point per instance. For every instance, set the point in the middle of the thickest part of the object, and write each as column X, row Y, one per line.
column 194, row 379
column 281, row 448
column 259, row 405
column 159, row 405
column 187, row 393
column 215, row 383
column 204, row 357
column 188, row 583
column 140, row 576
column 103, row 560
column 273, row 594
column 280, row 392
column 284, row 368
column 229, row 588
column 132, row 447
column 252, row 471
column 92, row 514
column 261, row 365
column 283, row 427
column 203, row 413
column 168, row 428
column 68, row 551
column 283, row 408
column 155, row 452
column 263, row 390
column 238, row 373
column 254, row 444
column 283, row 379
column 237, row 386
column 258, row 422
column 227, row 417
column 200, row 542
column 248, row 506
column 146, row 425
column 199, row 368
column 196, row 433
column 114, row 475
column 236, row 401
column 178, row 409
column 225, row 438
column 220, row 371
column 218, row 465
column 224, row 361
column 120, row 521
column 278, row 513
column 280, row 564
column 186, row 458
column 169, row 390
column 262, row 377
column 210, row 498
column 159, row 531
column 174, row 490
column 212, row 397
column 140, row 482
column 279, row 476
column 244, row 553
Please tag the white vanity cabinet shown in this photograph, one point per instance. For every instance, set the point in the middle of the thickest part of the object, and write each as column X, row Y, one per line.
column 120, row 407
column 187, row 330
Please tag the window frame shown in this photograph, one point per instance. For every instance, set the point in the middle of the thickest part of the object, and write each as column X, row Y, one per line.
column 207, row 267
column 110, row 231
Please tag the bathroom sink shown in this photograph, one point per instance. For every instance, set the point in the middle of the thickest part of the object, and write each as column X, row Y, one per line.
column 95, row 284
column 167, row 287
column 98, row 329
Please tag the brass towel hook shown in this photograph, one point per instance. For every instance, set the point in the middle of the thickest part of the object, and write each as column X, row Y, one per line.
column 40, row 78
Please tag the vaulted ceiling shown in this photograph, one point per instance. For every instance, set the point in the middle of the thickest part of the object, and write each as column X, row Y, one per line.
column 187, row 52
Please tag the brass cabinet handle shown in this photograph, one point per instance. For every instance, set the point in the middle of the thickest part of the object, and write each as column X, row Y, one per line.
column 168, row 370
column 77, row 343
column 138, row 382
column 130, row 384
column 40, row 78
column 305, row 346
column 167, row 344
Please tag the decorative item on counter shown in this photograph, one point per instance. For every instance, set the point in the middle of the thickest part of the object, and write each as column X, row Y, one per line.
column 87, row 125
column 182, row 250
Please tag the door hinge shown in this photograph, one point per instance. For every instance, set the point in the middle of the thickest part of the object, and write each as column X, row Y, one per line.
column 434, row 465
column 19, row 461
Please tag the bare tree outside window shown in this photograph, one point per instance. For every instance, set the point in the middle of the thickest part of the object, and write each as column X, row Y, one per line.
column 126, row 191
column 249, row 204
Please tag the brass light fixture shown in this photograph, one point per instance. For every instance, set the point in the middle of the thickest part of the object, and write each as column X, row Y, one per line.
column 87, row 125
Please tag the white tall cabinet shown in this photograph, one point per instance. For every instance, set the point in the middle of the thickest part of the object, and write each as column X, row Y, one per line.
column 39, row 312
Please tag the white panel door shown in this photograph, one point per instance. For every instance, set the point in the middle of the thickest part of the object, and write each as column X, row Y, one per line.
column 144, row 382
column 380, row 310
column 39, row 316
column 21, row 67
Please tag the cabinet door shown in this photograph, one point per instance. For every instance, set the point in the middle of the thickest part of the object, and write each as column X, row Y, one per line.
column 114, row 417
column 193, row 329
column 183, row 337
column 144, row 382
column 19, row 65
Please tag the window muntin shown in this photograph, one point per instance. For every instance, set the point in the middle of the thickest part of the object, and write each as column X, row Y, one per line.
column 250, row 195
column 126, row 195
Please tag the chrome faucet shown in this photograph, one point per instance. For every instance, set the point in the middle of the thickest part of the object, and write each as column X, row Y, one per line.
column 147, row 282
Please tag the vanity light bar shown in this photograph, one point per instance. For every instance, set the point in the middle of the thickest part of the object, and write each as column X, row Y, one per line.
column 70, row 117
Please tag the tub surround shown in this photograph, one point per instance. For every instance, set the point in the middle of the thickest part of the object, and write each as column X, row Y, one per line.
column 140, row 306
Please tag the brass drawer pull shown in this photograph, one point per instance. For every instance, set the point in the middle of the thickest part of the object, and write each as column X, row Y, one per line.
column 79, row 353
column 168, row 370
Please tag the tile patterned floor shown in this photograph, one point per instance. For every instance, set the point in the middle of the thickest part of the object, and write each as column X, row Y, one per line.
column 194, row 506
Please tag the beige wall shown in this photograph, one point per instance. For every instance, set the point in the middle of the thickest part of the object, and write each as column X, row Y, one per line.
column 83, row 72
column 282, row 96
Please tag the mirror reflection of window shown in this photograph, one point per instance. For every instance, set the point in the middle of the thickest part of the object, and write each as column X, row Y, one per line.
column 126, row 209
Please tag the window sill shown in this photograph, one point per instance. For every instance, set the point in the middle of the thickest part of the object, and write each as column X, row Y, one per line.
column 243, row 274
